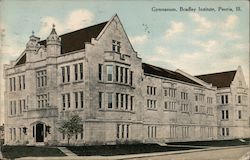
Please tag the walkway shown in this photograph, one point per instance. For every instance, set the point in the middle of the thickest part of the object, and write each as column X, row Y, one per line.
column 66, row 151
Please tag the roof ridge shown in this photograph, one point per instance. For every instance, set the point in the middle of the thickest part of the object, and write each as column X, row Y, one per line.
column 83, row 28
column 216, row 73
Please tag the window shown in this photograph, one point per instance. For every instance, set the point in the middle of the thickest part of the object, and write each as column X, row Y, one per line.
column 224, row 114
column 116, row 45
column 225, row 131
column 42, row 100
column 110, row 73
column 117, row 100
column 76, row 71
column 63, row 74
column 63, row 102
column 131, row 78
column 20, row 107
column 76, row 99
column 184, row 95
column 173, row 131
column 197, row 109
column 121, row 74
column 151, row 104
column 24, row 104
column 209, row 100
column 41, row 78
column 100, row 71
column 23, row 80
column 20, row 83
column 239, row 114
column 110, row 100
column 151, row 131
column 239, row 99
column 81, row 70
column 13, row 84
column 185, row 131
column 117, row 73
column 151, row 90
column 82, row 132
column 68, row 73
column 126, row 75
column 126, row 101
column 122, row 131
column 184, row 107
column 81, row 99
column 170, row 105
column 100, row 99
column 131, row 102
column 68, row 96
column 122, row 100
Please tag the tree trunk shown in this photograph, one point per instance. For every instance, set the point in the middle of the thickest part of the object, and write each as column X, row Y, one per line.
column 68, row 141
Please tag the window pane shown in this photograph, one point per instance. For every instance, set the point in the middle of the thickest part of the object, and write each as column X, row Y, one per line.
column 110, row 73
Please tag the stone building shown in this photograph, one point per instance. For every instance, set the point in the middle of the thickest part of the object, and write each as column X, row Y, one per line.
column 95, row 73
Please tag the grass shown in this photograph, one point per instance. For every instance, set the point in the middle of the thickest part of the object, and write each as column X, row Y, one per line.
column 122, row 149
column 214, row 143
column 12, row 152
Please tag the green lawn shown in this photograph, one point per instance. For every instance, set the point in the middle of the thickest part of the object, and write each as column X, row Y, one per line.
column 122, row 149
column 12, row 152
column 215, row 143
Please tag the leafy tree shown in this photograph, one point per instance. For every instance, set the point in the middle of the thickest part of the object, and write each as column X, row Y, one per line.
column 71, row 126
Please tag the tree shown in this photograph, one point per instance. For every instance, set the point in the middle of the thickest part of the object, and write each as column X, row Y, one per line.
column 71, row 126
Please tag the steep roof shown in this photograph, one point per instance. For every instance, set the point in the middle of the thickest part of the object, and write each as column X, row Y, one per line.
column 154, row 70
column 220, row 80
column 75, row 40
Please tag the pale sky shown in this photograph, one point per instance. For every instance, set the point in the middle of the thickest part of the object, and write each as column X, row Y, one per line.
column 196, row 42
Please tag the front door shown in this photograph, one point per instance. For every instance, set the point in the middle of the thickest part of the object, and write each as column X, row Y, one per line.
column 39, row 132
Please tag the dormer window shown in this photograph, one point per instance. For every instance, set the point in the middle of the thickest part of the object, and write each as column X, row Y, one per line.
column 116, row 46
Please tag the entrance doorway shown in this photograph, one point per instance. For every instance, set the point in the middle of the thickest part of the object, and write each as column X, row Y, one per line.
column 39, row 132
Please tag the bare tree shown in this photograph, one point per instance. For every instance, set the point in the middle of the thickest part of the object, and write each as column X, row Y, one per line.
column 71, row 126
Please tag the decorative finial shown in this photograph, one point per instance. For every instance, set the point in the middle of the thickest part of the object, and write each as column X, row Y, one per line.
column 33, row 32
column 53, row 25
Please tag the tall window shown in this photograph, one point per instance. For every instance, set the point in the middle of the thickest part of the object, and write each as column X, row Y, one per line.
column 122, row 131
column 121, row 74
column 76, row 99
column 13, row 84
column 41, row 78
column 239, row 99
column 126, row 75
column 63, row 74
column 63, row 101
column 131, row 103
column 42, row 100
column 100, row 99
column 81, row 99
column 20, row 82
column 68, row 97
column 76, row 71
column 117, row 100
column 116, row 45
column 23, row 81
column 224, row 99
column 110, row 100
column 68, row 73
column 131, row 78
column 110, row 73
column 100, row 71
column 224, row 114
column 239, row 114
column 81, row 70
column 117, row 73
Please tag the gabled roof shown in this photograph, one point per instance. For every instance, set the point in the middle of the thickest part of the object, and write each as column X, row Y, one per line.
column 154, row 70
column 75, row 40
column 220, row 80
